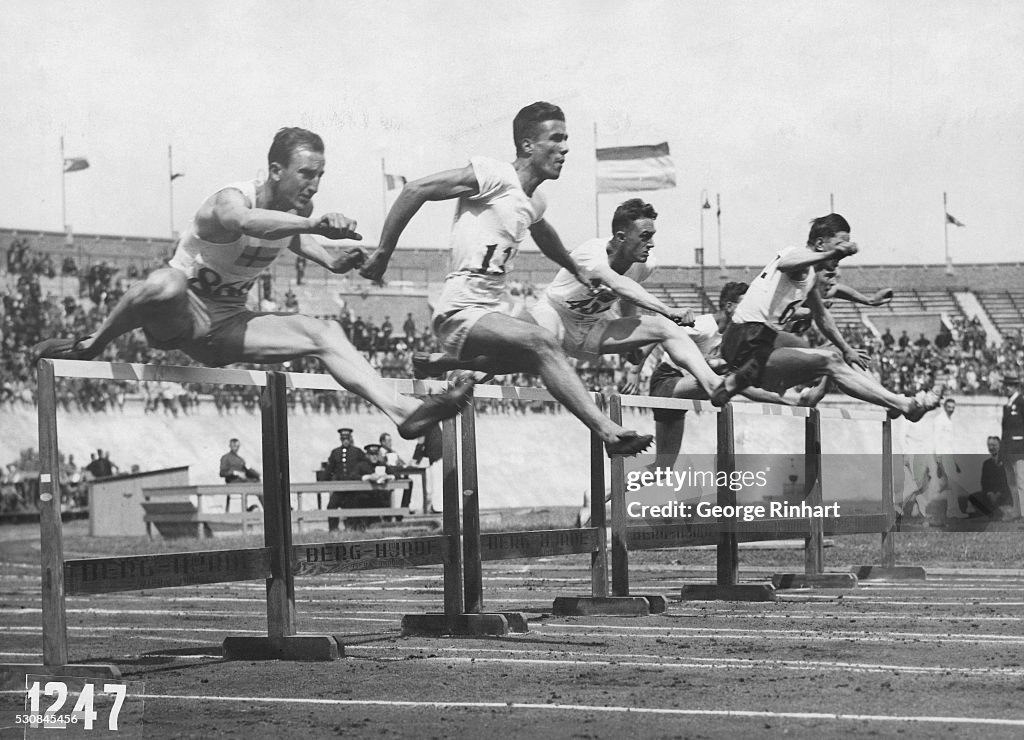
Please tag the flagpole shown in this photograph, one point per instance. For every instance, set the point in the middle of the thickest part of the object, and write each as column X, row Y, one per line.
column 704, row 205
column 945, row 229
column 170, row 186
column 831, row 203
column 718, row 218
column 63, row 189
column 597, row 192
column 383, row 191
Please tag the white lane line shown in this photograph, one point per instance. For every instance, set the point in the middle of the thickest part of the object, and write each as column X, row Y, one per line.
column 704, row 633
column 844, row 617
column 605, row 631
column 662, row 711
column 717, row 662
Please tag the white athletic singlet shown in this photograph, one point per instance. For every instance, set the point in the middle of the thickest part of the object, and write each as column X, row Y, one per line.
column 226, row 272
column 705, row 335
column 488, row 228
column 773, row 295
column 573, row 301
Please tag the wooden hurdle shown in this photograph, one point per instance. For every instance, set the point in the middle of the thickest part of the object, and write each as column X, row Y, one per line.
column 105, row 575
column 464, row 612
column 726, row 534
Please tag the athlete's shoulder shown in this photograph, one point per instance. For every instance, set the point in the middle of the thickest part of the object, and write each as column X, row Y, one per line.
column 246, row 187
column 492, row 175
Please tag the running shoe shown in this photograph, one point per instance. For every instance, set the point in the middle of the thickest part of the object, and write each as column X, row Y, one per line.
column 921, row 404
column 437, row 408
column 62, row 348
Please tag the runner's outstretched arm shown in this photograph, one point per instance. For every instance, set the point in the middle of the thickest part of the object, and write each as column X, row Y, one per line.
column 439, row 186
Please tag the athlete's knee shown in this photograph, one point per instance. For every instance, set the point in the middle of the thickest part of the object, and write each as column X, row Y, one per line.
column 829, row 362
column 663, row 329
column 537, row 346
column 325, row 335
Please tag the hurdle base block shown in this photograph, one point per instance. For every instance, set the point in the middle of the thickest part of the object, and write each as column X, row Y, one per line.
column 657, row 603
column 306, row 648
column 735, row 592
column 601, row 606
column 435, row 624
column 516, row 621
column 891, row 573
column 12, row 675
column 814, row 580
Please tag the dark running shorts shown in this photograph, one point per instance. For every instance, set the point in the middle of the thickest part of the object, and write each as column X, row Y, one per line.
column 663, row 383
column 746, row 347
column 216, row 335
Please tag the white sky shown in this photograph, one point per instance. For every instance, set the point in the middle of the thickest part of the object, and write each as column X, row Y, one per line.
column 774, row 105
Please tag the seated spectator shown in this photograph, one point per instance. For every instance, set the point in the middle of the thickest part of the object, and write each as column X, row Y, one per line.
column 995, row 489
column 232, row 465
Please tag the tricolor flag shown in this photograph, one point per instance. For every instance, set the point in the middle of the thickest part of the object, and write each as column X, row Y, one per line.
column 74, row 164
column 951, row 220
column 630, row 168
column 394, row 182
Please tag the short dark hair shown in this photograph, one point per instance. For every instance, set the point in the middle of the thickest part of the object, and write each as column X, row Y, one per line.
column 828, row 226
column 233, row 439
column 631, row 210
column 731, row 293
column 996, row 438
column 525, row 124
column 288, row 139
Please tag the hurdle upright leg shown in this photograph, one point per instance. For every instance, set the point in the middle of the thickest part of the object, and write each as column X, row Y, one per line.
column 55, row 634
column 814, row 542
column 620, row 602
column 726, row 587
column 455, row 620
column 472, row 564
column 888, row 568
column 281, row 642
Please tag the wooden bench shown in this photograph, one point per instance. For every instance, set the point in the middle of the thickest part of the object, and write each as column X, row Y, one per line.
column 178, row 511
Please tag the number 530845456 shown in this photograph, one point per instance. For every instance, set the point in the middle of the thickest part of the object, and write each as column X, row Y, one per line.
column 84, row 709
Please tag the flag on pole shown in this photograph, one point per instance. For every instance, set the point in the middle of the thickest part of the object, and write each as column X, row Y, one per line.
column 394, row 182
column 950, row 219
column 631, row 168
column 74, row 164
column 176, row 175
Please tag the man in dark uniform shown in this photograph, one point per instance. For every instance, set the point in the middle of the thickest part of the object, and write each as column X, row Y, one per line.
column 1013, row 441
column 346, row 462
column 995, row 489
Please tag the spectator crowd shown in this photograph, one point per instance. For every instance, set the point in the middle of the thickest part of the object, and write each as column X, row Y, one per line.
column 957, row 360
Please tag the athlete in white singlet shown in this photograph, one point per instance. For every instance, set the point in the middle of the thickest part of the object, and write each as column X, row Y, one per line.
column 759, row 350
column 671, row 381
column 498, row 206
column 197, row 303
column 591, row 324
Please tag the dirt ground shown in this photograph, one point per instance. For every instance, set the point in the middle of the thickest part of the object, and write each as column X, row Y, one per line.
column 943, row 657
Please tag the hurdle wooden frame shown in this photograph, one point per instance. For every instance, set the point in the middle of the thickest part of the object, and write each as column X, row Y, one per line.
column 726, row 534
column 464, row 612
column 104, row 575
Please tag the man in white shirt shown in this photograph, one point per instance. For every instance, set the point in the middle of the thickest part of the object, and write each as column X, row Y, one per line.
column 671, row 381
column 592, row 323
column 498, row 205
column 197, row 303
column 761, row 352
